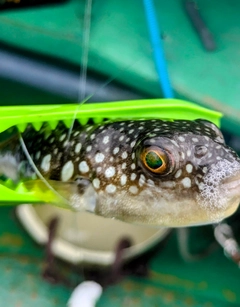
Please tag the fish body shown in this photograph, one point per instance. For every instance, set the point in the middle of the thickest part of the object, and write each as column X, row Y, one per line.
column 152, row 172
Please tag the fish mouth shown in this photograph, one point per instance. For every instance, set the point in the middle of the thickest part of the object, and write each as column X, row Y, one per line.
column 232, row 184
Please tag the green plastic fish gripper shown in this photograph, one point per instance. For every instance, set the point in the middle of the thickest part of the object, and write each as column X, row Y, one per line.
column 21, row 116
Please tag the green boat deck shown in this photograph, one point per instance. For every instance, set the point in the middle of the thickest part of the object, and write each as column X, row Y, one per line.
column 213, row 281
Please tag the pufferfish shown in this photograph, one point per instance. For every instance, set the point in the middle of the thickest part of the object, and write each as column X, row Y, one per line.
column 152, row 172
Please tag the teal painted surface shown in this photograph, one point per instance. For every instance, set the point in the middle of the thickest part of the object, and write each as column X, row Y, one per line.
column 120, row 47
column 13, row 93
column 211, row 282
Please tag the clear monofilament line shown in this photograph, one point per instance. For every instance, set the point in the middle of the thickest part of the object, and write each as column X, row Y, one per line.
column 83, row 64
column 25, row 150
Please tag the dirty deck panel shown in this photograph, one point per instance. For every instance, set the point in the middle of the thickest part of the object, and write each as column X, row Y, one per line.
column 213, row 281
column 120, row 46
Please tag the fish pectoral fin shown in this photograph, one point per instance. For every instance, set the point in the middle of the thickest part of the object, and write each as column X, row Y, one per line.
column 86, row 196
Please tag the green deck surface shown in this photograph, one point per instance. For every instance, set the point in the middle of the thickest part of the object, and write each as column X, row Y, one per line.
column 213, row 281
column 120, row 47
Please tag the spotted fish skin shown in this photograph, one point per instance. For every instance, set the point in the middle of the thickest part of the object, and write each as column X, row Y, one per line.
column 202, row 184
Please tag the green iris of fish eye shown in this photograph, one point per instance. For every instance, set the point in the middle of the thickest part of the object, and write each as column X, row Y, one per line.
column 153, row 160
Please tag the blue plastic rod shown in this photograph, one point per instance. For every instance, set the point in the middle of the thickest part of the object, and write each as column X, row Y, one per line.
column 157, row 46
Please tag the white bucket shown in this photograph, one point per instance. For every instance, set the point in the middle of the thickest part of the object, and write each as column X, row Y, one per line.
column 86, row 238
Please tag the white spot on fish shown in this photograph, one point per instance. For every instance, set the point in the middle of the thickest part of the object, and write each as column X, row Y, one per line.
column 78, row 147
column 38, row 154
column 151, row 182
column 133, row 155
column 181, row 139
column 133, row 144
column 121, row 138
column 99, row 157
column 110, row 172
column 89, row 148
column 67, row 171
column 124, row 155
column 133, row 176
column 176, row 144
column 106, row 139
column 133, row 189
column 186, row 182
column 189, row 168
column 189, row 152
column 65, row 144
column 55, row 151
column 115, row 150
column 45, row 165
column 62, row 137
column 178, row 173
column 96, row 183
column 195, row 140
column 111, row 188
column 123, row 179
column 83, row 167
column 205, row 169
column 169, row 184
column 124, row 165
column 142, row 177
column 92, row 137
column 133, row 166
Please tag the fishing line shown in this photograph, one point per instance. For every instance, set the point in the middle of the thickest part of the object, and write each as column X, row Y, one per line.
column 38, row 172
column 82, row 85
column 84, row 64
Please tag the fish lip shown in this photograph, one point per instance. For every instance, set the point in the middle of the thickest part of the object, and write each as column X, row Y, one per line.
column 232, row 183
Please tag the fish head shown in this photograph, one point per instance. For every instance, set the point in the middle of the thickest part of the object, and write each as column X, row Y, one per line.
column 189, row 175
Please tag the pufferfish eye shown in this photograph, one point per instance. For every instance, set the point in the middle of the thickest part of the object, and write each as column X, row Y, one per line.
column 155, row 159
